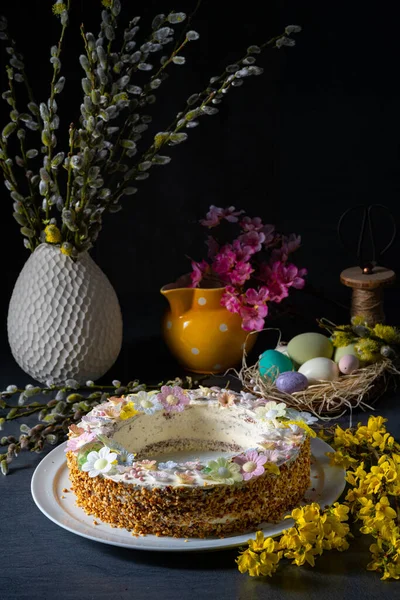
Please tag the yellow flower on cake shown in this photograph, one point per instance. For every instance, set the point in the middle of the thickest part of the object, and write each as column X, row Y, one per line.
column 128, row 411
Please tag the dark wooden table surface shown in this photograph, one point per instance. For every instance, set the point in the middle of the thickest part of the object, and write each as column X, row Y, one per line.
column 40, row 560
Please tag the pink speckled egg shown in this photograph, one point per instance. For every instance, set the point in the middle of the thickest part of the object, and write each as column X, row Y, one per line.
column 348, row 363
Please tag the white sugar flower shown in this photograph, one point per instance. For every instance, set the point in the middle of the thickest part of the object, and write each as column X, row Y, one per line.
column 271, row 410
column 306, row 417
column 99, row 462
column 146, row 402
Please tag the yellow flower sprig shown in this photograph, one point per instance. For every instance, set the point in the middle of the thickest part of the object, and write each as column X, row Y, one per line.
column 371, row 457
column 313, row 532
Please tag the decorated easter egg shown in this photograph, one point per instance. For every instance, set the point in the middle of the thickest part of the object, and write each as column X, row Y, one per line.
column 348, row 363
column 343, row 351
column 291, row 382
column 271, row 363
column 320, row 369
column 306, row 346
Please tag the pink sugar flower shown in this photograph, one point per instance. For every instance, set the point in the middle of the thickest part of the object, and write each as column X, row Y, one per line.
column 160, row 475
column 241, row 273
column 199, row 270
column 76, row 443
column 252, row 240
column 251, row 224
column 272, row 456
column 253, row 317
column 251, row 464
column 173, row 398
column 193, row 465
column 231, row 300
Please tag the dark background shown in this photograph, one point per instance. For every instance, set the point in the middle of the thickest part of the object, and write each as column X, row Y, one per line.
column 315, row 134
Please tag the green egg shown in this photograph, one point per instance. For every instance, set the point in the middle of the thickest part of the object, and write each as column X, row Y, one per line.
column 306, row 346
column 272, row 363
column 343, row 350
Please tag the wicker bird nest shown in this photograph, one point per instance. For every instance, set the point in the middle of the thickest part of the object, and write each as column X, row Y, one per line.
column 326, row 400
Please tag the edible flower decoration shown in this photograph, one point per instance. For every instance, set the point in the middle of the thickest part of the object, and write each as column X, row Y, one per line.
column 146, row 402
column 223, row 471
column 128, row 411
column 167, row 466
column 184, row 477
column 226, row 398
column 148, row 465
column 75, row 443
column 251, row 464
column 271, row 411
column 100, row 462
column 173, row 398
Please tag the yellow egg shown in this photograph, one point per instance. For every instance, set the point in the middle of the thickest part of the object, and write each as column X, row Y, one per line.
column 306, row 346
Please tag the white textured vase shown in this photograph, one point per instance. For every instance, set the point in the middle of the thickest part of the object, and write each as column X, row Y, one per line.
column 64, row 319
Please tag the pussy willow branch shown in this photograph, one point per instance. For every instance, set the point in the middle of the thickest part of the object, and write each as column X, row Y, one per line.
column 70, row 404
column 56, row 72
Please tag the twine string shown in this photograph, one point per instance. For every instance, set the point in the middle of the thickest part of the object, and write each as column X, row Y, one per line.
column 368, row 303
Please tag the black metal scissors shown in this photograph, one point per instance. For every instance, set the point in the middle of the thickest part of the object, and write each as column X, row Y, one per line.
column 367, row 229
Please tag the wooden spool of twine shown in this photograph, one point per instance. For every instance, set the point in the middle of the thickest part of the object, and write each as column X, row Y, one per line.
column 367, row 295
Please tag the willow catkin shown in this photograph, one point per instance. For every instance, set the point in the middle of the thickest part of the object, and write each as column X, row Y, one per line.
column 369, row 304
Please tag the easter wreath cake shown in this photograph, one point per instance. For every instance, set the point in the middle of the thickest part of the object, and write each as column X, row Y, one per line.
column 189, row 463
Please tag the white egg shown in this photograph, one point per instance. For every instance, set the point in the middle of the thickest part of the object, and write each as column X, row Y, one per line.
column 282, row 348
column 320, row 369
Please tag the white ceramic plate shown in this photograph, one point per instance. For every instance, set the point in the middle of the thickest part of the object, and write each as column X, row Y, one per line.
column 51, row 478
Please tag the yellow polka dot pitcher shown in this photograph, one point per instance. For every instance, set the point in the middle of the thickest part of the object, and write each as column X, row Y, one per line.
column 203, row 335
